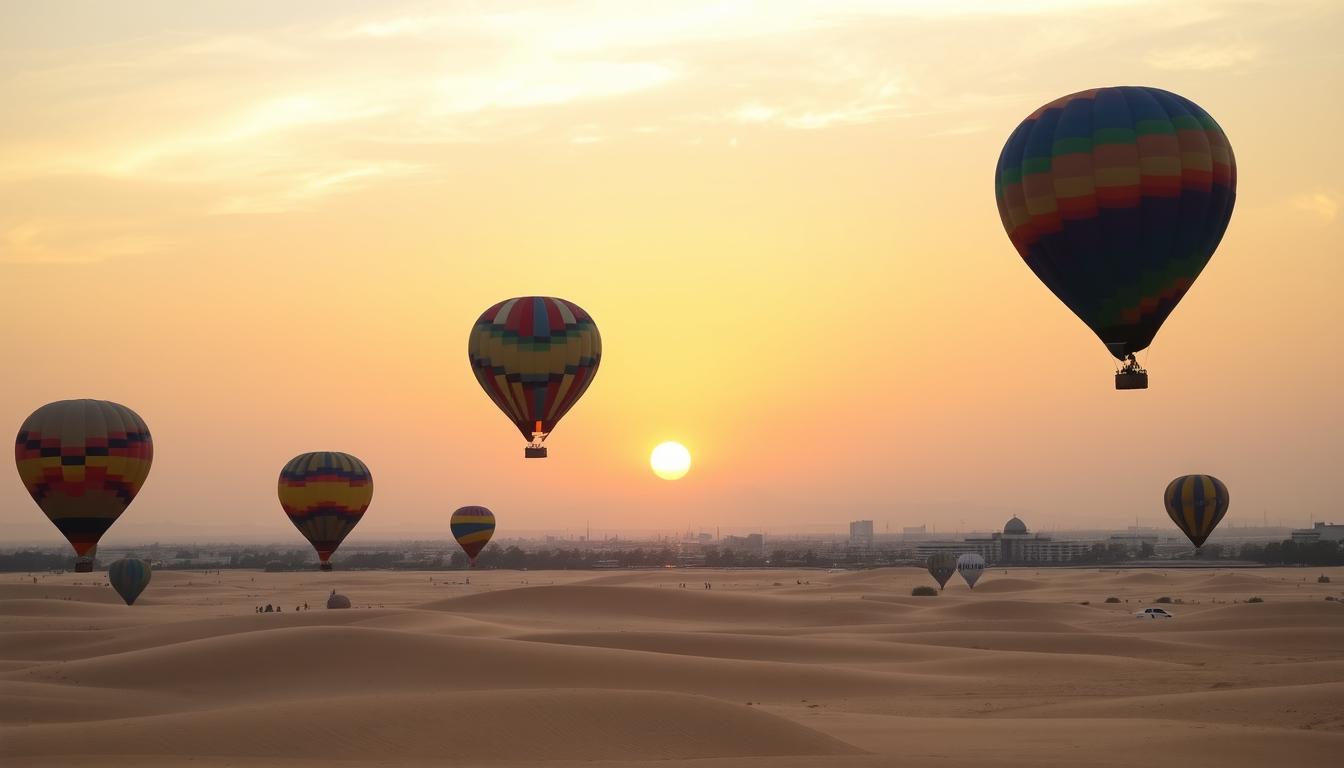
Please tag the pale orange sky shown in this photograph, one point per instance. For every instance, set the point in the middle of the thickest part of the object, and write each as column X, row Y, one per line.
column 267, row 227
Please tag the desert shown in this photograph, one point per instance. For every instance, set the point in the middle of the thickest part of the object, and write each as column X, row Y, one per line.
column 774, row 667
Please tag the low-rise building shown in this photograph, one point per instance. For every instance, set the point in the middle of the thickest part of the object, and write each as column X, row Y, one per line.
column 1319, row 532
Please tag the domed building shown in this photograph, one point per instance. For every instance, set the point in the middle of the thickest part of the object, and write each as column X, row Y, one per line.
column 1015, row 545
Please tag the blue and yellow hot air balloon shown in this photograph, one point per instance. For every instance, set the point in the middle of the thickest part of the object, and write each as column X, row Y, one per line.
column 1116, row 198
column 83, row 462
column 1196, row 503
column 472, row 527
column 535, row 356
column 129, row 576
column 325, row 494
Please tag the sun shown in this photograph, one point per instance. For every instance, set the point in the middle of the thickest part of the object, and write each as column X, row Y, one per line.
column 670, row 460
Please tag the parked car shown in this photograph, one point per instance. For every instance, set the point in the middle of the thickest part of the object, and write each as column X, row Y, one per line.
column 1153, row 613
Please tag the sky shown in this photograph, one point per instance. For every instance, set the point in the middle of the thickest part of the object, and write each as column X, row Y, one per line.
column 268, row 227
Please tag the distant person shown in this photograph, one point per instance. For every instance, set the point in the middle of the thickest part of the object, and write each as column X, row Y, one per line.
column 269, row 609
column 305, row 605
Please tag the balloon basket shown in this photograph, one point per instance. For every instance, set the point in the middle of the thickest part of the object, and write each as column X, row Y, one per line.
column 1131, row 380
column 84, row 566
column 324, row 567
column 534, row 452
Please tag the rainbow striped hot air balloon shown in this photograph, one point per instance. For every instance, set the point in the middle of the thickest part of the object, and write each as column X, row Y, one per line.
column 83, row 462
column 534, row 356
column 1116, row 199
column 325, row 493
column 472, row 527
column 1196, row 503
column 129, row 576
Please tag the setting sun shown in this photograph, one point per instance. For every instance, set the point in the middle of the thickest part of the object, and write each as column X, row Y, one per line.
column 670, row 460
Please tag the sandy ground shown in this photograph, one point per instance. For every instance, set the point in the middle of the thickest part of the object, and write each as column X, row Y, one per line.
column 768, row 668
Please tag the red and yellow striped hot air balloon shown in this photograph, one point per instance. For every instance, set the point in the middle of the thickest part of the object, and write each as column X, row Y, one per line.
column 83, row 462
column 325, row 494
column 535, row 356
column 1116, row 198
column 472, row 527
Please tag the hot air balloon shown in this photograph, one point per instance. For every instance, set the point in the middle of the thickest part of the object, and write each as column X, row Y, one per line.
column 325, row 494
column 941, row 566
column 129, row 577
column 1196, row 503
column 472, row 527
column 1116, row 198
column 534, row 356
column 971, row 566
column 83, row 462
column 335, row 601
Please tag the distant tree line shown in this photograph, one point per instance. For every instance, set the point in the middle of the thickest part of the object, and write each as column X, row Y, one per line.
column 1107, row 554
column 36, row 561
column 1320, row 553
column 1295, row 553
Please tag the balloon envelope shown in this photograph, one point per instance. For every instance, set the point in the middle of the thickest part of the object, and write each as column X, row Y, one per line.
column 941, row 566
column 129, row 576
column 325, row 494
column 1116, row 198
column 971, row 566
column 335, row 601
column 534, row 356
column 1196, row 503
column 83, row 462
column 472, row 527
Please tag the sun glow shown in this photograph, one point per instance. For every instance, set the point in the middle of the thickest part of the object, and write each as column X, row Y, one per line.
column 670, row 460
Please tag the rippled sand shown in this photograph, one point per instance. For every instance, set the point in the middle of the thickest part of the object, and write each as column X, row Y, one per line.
column 620, row 668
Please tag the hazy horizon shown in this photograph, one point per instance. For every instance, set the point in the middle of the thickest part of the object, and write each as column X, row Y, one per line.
column 267, row 228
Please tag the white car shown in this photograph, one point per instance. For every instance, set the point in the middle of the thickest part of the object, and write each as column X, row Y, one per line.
column 1153, row 613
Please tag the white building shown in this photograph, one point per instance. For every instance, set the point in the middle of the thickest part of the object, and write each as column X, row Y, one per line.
column 1319, row 532
column 1015, row 545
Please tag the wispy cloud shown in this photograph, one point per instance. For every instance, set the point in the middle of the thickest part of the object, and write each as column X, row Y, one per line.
column 1323, row 204
column 1203, row 57
column 71, row 242
column 282, row 114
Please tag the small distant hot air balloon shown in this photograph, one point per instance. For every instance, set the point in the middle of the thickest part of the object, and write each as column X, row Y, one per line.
column 1116, row 198
column 325, row 494
column 129, row 576
column 1196, row 503
column 472, row 527
column 941, row 567
column 534, row 356
column 83, row 462
column 971, row 566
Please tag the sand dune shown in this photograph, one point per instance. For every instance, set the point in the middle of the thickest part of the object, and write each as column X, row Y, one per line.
column 998, row 586
column 523, row 724
column 1319, row 706
column 622, row 668
column 678, row 605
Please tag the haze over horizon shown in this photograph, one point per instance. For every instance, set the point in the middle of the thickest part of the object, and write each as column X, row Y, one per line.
column 268, row 228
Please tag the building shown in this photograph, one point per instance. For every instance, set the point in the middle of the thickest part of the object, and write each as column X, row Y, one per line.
column 861, row 533
column 1015, row 545
column 1135, row 539
column 752, row 542
column 1319, row 532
